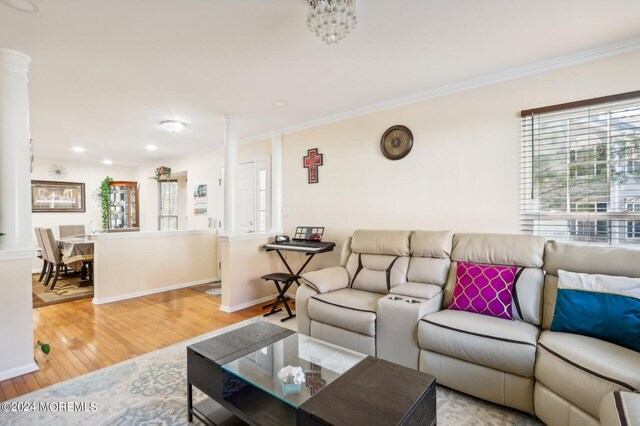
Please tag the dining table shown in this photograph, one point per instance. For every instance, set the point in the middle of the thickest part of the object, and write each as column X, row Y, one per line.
column 77, row 254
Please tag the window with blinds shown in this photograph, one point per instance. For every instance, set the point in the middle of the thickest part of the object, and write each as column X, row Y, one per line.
column 581, row 171
column 168, row 208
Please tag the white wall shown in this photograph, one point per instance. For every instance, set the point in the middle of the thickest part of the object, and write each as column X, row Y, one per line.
column 89, row 174
column 463, row 173
column 200, row 168
column 16, row 327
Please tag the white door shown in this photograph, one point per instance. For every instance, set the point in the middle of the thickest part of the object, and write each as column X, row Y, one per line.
column 246, row 197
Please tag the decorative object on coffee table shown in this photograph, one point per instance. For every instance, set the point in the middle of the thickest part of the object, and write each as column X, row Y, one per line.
column 396, row 142
column 311, row 162
column 292, row 378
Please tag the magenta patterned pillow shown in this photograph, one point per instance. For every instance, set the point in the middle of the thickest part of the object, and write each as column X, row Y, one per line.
column 484, row 289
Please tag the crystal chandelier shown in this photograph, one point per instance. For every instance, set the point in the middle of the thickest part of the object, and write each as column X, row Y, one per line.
column 331, row 20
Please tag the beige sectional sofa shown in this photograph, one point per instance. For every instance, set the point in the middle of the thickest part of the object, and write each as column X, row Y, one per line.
column 389, row 298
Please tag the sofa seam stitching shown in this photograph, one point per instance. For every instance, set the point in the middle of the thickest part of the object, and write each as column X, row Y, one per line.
column 518, row 342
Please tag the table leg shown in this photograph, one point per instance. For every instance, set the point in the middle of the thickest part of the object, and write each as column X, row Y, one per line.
column 189, row 402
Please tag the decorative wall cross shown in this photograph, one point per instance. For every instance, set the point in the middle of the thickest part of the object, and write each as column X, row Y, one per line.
column 311, row 163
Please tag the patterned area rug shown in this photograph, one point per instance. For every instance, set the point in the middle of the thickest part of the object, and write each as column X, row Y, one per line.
column 151, row 390
column 66, row 290
column 212, row 289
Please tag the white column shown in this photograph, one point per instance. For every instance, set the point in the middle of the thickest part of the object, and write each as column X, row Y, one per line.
column 15, row 179
column 230, row 221
column 276, row 182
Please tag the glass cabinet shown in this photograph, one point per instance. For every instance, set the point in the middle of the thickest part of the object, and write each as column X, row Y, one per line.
column 123, row 206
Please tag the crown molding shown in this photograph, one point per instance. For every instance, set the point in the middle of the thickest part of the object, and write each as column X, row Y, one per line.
column 589, row 55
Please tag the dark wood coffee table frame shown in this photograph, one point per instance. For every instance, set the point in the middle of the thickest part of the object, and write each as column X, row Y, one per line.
column 373, row 392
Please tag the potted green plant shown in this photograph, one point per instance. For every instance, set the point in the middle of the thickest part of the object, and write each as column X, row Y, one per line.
column 163, row 173
column 104, row 200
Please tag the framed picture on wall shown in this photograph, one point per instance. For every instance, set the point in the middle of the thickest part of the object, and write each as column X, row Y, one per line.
column 57, row 197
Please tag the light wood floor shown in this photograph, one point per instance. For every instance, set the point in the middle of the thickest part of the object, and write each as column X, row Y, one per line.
column 85, row 337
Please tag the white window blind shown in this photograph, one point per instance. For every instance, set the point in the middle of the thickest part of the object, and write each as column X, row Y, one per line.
column 168, row 206
column 581, row 171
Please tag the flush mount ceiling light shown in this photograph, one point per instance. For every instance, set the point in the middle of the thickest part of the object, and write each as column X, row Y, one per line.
column 78, row 149
column 151, row 147
column 173, row 126
column 107, row 162
column 331, row 20
column 279, row 104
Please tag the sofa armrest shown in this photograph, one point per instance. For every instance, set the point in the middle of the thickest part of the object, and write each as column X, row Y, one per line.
column 620, row 408
column 327, row 279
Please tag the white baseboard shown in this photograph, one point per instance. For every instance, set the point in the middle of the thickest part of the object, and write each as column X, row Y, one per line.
column 228, row 309
column 18, row 371
column 36, row 271
column 153, row 291
column 249, row 304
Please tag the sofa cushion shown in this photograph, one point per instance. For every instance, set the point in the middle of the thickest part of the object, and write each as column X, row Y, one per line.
column 588, row 304
column 499, row 249
column 381, row 242
column 419, row 290
column 484, row 289
column 376, row 272
column 504, row 345
column 435, row 244
column 349, row 309
column 510, row 250
column 583, row 370
column 327, row 279
column 428, row 270
column 606, row 260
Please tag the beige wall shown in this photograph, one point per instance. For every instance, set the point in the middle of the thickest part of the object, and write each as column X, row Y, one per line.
column 463, row 173
column 134, row 264
column 200, row 168
column 244, row 261
column 16, row 327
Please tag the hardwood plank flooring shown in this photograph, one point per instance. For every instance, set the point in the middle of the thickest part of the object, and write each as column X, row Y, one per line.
column 85, row 337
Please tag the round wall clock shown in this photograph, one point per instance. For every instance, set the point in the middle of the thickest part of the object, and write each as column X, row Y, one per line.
column 396, row 142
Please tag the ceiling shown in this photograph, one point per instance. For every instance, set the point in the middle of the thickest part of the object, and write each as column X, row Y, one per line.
column 105, row 73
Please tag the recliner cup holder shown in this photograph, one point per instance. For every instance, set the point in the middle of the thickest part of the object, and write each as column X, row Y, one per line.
column 412, row 301
column 395, row 298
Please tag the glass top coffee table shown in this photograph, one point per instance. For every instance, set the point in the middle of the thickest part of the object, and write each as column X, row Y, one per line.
column 238, row 371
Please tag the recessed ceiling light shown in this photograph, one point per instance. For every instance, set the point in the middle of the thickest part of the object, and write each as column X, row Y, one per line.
column 78, row 149
column 279, row 104
column 107, row 162
column 173, row 126
column 151, row 147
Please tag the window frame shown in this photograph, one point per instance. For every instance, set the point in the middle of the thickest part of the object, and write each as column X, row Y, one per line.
column 580, row 161
column 163, row 216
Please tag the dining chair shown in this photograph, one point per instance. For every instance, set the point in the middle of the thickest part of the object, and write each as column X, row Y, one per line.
column 42, row 255
column 53, row 254
column 71, row 230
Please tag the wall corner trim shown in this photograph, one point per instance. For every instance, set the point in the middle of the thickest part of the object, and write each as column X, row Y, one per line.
column 19, row 371
column 576, row 58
